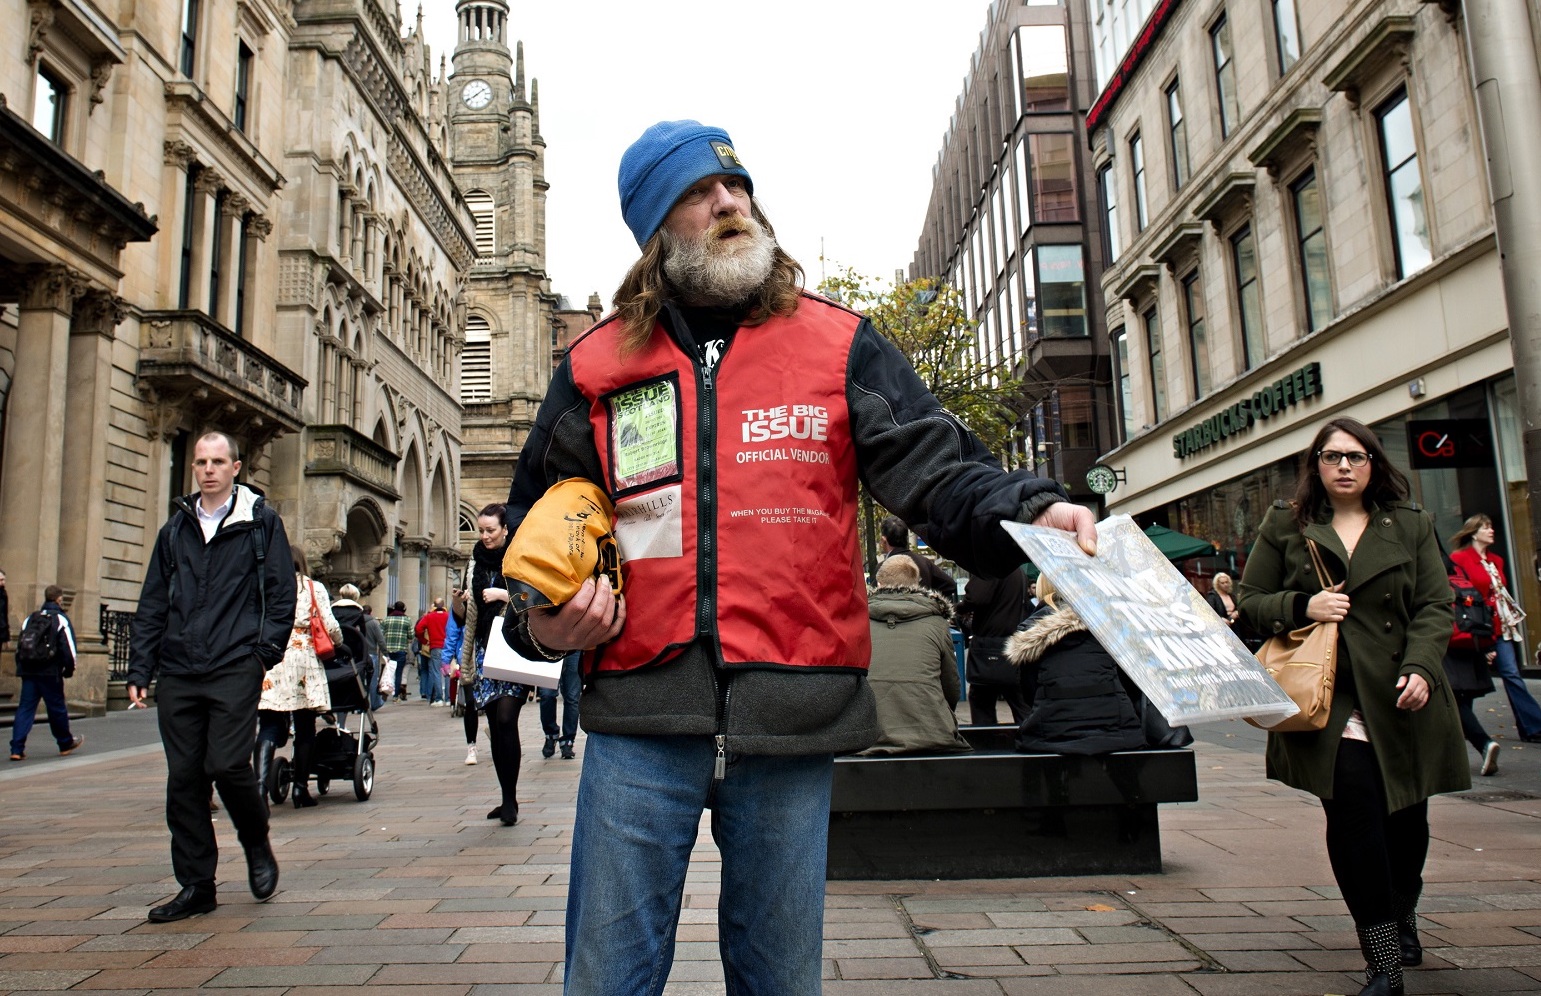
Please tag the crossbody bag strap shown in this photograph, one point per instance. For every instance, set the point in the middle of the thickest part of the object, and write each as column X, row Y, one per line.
column 1321, row 568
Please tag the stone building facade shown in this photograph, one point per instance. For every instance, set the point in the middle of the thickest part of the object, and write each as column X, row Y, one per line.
column 1300, row 215
column 247, row 216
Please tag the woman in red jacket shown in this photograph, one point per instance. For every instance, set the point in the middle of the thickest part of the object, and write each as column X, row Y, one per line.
column 1485, row 570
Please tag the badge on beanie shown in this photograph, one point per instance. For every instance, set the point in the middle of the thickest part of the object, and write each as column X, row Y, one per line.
column 726, row 155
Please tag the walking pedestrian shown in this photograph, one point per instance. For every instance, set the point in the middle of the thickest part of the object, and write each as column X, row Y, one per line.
column 568, row 690
column 45, row 657
column 727, row 414
column 374, row 647
column 398, row 640
column 214, row 615
column 500, row 701
column 994, row 608
column 1471, row 549
column 1393, row 736
column 430, row 639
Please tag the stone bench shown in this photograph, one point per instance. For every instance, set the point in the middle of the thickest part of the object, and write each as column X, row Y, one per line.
column 999, row 814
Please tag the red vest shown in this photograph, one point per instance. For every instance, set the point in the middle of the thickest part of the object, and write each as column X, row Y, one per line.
column 750, row 538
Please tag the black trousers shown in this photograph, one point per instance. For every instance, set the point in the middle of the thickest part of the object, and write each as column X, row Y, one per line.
column 208, row 727
column 1377, row 857
column 1471, row 727
column 982, row 698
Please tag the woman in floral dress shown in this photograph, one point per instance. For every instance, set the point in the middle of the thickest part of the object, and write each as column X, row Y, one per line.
column 296, row 687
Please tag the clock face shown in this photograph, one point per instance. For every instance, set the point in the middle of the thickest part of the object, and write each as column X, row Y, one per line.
column 1101, row 479
column 477, row 94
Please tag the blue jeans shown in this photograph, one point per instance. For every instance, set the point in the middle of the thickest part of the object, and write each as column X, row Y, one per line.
column 430, row 682
column 640, row 801
column 50, row 689
column 1527, row 714
column 569, row 685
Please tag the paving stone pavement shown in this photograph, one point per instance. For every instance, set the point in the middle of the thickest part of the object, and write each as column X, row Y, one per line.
column 414, row 891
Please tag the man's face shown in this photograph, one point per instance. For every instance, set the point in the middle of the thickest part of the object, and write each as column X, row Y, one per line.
column 213, row 468
column 704, row 203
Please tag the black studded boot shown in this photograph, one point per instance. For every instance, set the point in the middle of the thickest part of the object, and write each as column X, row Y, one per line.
column 1407, row 929
column 301, row 768
column 1383, row 960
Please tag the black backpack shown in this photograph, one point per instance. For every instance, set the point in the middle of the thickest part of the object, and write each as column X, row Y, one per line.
column 1472, row 614
column 37, row 652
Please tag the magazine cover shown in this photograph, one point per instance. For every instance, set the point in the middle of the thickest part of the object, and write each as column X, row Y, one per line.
column 1155, row 624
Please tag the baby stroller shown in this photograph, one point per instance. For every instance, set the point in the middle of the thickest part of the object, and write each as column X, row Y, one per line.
column 339, row 753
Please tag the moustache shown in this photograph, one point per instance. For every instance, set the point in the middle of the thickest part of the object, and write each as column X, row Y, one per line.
column 731, row 225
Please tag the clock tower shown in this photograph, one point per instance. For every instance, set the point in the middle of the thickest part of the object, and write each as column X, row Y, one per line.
column 497, row 157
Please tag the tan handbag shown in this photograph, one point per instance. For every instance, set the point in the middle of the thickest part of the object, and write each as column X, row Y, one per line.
column 1304, row 662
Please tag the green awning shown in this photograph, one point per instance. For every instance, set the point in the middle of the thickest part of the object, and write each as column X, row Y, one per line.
column 1177, row 546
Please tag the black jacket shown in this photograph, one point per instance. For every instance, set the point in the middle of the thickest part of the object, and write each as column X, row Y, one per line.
column 917, row 460
column 486, row 572
column 202, row 604
column 1081, row 706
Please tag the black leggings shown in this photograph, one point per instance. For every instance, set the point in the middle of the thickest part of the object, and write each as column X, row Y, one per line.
column 1470, row 727
column 273, row 727
column 1377, row 857
column 503, row 730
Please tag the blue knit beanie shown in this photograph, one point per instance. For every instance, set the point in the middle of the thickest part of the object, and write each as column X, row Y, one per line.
column 662, row 164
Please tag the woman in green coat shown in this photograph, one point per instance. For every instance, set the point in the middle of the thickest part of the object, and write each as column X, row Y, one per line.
column 1393, row 738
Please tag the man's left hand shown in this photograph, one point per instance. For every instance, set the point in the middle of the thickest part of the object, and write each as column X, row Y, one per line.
column 1072, row 518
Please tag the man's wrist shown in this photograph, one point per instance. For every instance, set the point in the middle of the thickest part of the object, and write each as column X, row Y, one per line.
column 535, row 645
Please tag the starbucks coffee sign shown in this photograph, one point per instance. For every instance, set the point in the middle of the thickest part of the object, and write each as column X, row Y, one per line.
column 1274, row 399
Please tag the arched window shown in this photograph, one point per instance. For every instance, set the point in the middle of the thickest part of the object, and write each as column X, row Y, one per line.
column 476, row 362
column 482, row 210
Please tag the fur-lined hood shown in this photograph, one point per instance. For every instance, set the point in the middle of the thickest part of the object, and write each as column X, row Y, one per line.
column 1029, row 645
column 901, row 604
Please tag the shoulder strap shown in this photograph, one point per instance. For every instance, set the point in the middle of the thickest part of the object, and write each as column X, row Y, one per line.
column 1321, row 568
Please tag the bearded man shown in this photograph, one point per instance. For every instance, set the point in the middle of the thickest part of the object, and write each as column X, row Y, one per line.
column 728, row 414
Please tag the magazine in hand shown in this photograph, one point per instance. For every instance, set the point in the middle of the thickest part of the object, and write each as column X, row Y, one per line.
column 505, row 663
column 1155, row 624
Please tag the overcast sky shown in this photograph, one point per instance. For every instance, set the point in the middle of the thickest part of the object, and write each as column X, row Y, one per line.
column 836, row 107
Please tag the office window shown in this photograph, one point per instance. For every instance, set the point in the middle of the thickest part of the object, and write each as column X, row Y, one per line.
column 1249, row 303
column 1137, row 164
column 1052, row 169
column 1404, row 185
column 1120, row 339
column 1031, row 324
column 1225, row 76
column 1286, row 26
column 1045, row 68
column 1107, row 193
column 1312, row 247
column 1179, row 130
column 1062, row 291
column 1198, row 334
column 216, row 258
column 484, row 214
column 1076, row 424
column 189, row 35
column 1024, row 202
column 243, row 60
column 1157, row 363
column 189, row 236
column 48, row 102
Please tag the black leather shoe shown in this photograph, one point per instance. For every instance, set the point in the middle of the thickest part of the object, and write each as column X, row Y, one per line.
column 567, row 750
column 262, row 871
column 191, row 901
column 549, row 747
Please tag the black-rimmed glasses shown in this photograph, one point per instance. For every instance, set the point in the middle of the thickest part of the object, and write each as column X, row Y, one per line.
column 1332, row 458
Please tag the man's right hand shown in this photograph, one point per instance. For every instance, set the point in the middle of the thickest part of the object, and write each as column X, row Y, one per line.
column 136, row 696
column 591, row 617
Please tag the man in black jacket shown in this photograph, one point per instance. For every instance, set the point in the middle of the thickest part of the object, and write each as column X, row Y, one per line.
column 214, row 615
column 896, row 542
column 995, row 608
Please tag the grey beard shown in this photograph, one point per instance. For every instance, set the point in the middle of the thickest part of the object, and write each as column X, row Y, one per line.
column 709, row 272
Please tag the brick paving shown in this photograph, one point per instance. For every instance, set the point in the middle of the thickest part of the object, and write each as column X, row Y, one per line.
column 415, row 892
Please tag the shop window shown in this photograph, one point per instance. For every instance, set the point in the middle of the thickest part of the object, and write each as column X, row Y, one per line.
column 1157, row 361
column 1122, row 374
column 1198, row 333
column 1404, row 185
column 1286, row 28
column 50, row 95
column 1249, row 304
column 1062, row 291
column 1137, row 166
column 1051, row 165
column 1311, row 249
column 243, row 63
column 1225, row 76
column 1179, row 134
column 1107, row 195
column 1046, row 68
